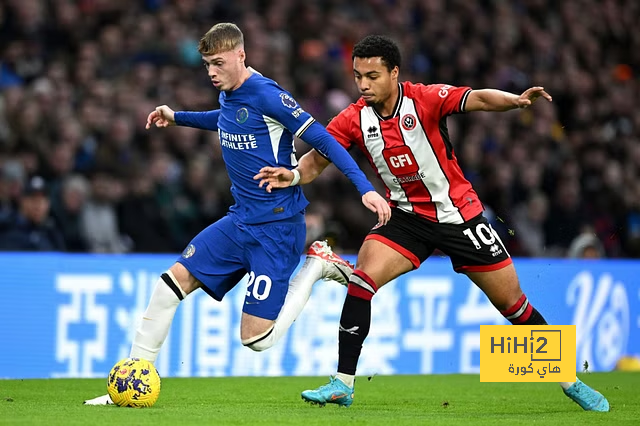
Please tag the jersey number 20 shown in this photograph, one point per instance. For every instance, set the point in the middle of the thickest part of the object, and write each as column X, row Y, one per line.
column 257, row 282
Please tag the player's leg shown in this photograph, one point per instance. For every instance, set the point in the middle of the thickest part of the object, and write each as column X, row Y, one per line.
column 171, row 288
column 387, row 253
column 321, row 263
column 273, row 302
column 212, row 261
column 477, row 251
column 502, row 289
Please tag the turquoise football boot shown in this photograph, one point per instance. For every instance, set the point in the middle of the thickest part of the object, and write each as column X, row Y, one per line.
column 586, row 397
column 334, row 392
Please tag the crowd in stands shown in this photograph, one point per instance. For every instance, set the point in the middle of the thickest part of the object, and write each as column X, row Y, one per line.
column 79, row 173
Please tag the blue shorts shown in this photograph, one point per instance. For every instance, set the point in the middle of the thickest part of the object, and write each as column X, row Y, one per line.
column 226, row 250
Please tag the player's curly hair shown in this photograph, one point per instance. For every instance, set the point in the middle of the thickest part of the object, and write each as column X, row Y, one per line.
column 374, row 46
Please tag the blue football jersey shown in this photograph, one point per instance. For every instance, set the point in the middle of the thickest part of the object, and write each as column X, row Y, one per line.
column 256, row 126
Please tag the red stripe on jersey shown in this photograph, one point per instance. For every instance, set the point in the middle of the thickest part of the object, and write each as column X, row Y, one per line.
column 416, row 191
column 424, row 176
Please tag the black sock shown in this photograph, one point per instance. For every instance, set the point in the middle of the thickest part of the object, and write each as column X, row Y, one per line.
column 355, row 322
column 535, row 318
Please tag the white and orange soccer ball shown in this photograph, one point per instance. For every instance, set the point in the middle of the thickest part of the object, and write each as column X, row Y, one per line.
column 134, row 382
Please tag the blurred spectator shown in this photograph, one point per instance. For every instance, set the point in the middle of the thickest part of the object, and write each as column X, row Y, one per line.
column 586, row 246
column 67, row 211
column 528, row 222
column 31, row 227
column 99, row 219
column 78, row 78
column 141, row 218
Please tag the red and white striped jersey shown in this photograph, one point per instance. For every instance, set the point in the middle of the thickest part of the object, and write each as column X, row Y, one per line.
column 411, row 151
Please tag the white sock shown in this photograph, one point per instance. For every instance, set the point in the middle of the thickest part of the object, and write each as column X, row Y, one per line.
column 567, row 385
column 299, row 292
column 156, row 321
column 347, row 379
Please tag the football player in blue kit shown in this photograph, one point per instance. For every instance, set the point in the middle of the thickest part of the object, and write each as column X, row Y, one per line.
column 263, row 233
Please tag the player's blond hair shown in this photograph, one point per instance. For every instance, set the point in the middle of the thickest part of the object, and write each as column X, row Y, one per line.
column 222, row 37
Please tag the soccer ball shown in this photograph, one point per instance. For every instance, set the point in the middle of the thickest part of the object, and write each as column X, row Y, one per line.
column 134, row 382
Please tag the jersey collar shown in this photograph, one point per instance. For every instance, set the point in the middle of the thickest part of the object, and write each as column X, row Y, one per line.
column 396, row 109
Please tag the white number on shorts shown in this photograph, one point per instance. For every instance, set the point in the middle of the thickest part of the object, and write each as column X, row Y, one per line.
column 486, row 234
column 255, row 282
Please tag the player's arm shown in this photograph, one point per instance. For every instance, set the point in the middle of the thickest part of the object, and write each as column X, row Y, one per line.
column 309, row 168
column 311, row 164
column 163, row 116
column 326, row 145
column 497, row 100
column 304, row 126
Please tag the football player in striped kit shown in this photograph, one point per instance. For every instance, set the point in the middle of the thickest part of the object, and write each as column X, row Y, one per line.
column 401, row 128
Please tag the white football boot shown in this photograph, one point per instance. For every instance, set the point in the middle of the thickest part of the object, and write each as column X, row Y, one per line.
column 333, row 266
column 101, row 400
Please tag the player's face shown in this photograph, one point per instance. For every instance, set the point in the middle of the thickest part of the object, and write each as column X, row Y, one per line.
column 375, row 82
column 225, row 68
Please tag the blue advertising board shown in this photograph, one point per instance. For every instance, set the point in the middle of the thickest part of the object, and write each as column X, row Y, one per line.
column 74, row 316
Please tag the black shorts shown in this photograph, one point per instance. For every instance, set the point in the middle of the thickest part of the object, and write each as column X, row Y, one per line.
column 473, row 246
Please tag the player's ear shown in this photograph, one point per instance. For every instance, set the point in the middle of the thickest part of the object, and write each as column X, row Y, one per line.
column 242, row 56
column 394, row 72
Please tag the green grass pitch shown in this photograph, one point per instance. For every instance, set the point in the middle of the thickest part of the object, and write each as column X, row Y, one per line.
column 384, row 400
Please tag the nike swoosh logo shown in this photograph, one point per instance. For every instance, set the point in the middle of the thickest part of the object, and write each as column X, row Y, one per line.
column 334, row 397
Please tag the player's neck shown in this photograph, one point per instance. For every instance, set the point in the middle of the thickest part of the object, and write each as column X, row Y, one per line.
column 388, row 107
column 244, row 76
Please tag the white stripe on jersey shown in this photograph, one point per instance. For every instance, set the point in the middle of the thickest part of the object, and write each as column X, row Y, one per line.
column 275, row 133
column 416, row 139
column 304, row 126
column 375, row 144
column 463, row 102
column 435, row 181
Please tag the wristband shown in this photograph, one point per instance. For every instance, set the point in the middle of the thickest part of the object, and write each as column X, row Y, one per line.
column 296, row 177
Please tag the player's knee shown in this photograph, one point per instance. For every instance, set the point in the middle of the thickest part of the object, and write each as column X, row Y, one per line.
column 261, row 342
column 183, row 278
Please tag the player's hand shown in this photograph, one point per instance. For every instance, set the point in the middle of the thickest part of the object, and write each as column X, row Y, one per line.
column 377, row 204
column 274, row 177
column 163, row 116
column 530, row 95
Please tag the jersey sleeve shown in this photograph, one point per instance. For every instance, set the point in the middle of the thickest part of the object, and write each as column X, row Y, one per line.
column 338, row 127
column 444, row 98
column 207, row 120
column 279, row 105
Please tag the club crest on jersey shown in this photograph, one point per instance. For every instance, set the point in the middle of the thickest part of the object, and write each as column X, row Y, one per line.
column 408, row 121
column 189, row 251
column 288, row 101
column 241, row 115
